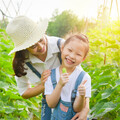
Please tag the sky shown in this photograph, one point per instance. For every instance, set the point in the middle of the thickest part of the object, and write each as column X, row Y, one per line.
column 36, row 9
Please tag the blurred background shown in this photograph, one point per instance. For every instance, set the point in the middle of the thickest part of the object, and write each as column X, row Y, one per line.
column 45, row 8
column 99, row 20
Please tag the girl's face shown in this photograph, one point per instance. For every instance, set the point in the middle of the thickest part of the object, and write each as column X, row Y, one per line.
column 73, row 53
column 40, row 48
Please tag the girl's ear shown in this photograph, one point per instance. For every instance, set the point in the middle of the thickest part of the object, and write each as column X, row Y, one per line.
column 83, row 59
column 62, row 46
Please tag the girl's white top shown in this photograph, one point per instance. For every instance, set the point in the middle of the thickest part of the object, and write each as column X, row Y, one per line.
column 67, row 89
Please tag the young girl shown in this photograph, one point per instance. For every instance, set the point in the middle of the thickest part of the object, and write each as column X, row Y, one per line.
column 59, row 87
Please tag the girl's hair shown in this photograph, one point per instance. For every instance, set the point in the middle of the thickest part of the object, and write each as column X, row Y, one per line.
column 18, row 63
column 82, row 38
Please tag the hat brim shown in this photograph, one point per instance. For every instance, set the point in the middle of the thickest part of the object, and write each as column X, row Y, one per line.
column 36, row 35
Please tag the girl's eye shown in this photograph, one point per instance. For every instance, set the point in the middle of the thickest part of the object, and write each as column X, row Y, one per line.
column 78, row 54
column 69, row 50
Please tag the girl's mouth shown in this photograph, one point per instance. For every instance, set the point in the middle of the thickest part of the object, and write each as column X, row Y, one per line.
column 69, row 61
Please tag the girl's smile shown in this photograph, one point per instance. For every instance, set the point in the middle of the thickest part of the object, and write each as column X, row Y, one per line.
column 69, row 61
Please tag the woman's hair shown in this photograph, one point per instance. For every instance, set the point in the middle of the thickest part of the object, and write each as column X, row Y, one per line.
column 81, row 37
column 18, row 63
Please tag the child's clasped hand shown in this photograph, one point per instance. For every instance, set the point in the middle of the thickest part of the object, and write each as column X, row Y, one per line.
column 64, row 78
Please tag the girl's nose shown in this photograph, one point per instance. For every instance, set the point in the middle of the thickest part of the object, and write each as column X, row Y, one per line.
column 72, row 55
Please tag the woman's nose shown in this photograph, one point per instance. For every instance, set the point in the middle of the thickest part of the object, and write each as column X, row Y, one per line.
column 40, row 46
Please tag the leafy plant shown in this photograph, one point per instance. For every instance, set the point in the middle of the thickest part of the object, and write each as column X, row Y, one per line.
column 12, row 105
column 103, row 65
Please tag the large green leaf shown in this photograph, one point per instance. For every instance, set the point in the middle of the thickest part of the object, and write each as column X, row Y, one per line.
column 36, row 113
column 107, row 93
column 4, row 85
column 9, row 109
column 118, row 118
column 102, row 108
column 117, row 82
column 2, row 110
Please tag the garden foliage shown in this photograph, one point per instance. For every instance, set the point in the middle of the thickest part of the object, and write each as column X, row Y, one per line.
column 12, row 105
column 103, row 65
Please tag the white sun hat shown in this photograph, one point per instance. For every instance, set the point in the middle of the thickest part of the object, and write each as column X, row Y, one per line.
column 25, row 32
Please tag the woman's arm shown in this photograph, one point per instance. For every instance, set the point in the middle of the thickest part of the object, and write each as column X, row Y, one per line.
column 31, row 92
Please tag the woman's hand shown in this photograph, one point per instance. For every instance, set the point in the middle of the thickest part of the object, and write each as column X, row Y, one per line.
column 80, row 116
column 45, row 76
column 64, row 78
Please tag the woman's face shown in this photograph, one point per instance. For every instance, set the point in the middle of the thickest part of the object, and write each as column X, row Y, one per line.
column 40, row 48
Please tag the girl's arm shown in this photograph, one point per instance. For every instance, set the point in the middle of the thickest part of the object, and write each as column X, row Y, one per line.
column 31, row 92
column 53, row 99
column 79, row 102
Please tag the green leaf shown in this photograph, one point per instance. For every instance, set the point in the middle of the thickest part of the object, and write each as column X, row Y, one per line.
column 9, row 109
column 37, row 114
column 117, row 82
column 31, row 105
column 20, row 105
column 23, row 113
column 113, row 46
column 107, row 93
column 2, row 110
column 118, row 118
column 10, row 117
column 5, row 98
column 12, row 95
column 4, row 86
column 105, row 108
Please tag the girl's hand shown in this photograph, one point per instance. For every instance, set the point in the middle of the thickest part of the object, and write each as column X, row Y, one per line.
column 44, row 76
column 64, row 78
column 82, row 89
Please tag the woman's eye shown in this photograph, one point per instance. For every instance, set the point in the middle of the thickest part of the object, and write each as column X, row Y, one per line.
column 40, row 40
column 34, row 46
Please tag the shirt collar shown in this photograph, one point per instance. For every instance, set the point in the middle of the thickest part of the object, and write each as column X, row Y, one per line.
column 52, row 47
column 34, row 59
